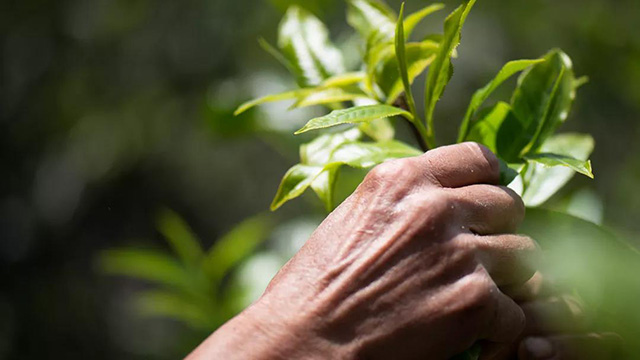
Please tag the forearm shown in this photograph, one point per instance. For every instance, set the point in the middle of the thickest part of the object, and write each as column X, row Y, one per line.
column 259, row 334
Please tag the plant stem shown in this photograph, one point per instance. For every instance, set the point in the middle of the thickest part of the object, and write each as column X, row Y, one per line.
column 418, row 129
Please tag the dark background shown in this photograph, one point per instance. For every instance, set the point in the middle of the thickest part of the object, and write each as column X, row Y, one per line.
column 113, row 109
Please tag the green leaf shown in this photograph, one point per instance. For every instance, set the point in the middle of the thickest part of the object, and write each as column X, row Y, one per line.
column 354, row 115
column 365, row 155
column 150, row 265
column 264, row 44
column 318, row 152
column 320, row 96
column 401, row 58
column 379, row 130
column 235, row 246
column 304, row 41
column 180, row 237
column 269, row 98
column 543, row 98
column 324, row 186
column 415, row 18
column 541, row 181
column 441, row 68
column 593, row 263
column 508, row 172
column 164, row 304
column 551, row 160
column 373, row 19
column 382, row 67
column 294, row 183
column 480, row 96
column 346, row 152
column 343, row 80
column 485, row 129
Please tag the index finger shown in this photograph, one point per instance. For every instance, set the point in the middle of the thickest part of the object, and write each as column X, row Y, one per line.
column 460, row 165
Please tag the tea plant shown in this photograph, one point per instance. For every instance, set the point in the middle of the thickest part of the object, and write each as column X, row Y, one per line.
column 520, row 132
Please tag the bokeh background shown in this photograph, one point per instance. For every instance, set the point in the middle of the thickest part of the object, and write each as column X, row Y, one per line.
column 114, row 111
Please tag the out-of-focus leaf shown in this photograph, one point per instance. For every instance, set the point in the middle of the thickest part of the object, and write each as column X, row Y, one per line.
column 372, row 19
column 379, row 130
column 441, row 68
column 598, row 266
column 235, row 246
column 541, row 181
column 480, row 96
column 269, row 98
column 551, row 160
column 304, row 41
column 414, row 19
column 150, row 265
column 354, row 115
column 166, row 304
column 294, row 183
column 264, row 44
column 343, row 80
column 365, row 155
column 320, row 96
column 543, row 98
column 180, row 237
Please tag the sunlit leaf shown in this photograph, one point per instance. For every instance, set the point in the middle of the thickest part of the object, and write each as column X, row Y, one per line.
column 541, row 181
column 323, row 186
column 480, row 96
column 304, row 41
column 441, row 69
column 235, row 246
column 379, row 130
column 343, row 80
column 318, row 151
column 267, row 99
column 414, row 19
column 365, row 155
column 354, row 115
column 180, row 237
column 321, row 96
column 372, row 19
column 543, row 98
column 485, row 129
column 294, row 183
column 551, row 160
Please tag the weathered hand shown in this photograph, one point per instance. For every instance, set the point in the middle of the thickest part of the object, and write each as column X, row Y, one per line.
column 408, row 267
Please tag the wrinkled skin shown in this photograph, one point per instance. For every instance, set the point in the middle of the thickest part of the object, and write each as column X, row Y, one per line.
column 410, row 266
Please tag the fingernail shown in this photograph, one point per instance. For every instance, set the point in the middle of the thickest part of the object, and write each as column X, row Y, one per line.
column 539, row 348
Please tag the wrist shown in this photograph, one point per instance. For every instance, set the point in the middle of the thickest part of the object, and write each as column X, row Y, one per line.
column 262, row 331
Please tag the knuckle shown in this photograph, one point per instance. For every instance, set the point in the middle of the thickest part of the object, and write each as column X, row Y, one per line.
column 437, row 204
column 390, row 171
column 482, row 153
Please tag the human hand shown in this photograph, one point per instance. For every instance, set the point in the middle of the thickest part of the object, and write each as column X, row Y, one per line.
column 407, row 267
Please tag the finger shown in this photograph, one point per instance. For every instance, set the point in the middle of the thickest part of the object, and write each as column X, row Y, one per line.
column 489, row 209
column 538, row 287
column 509, row 259
column 507, row 322
column 570, row 347
column 558, row 314
column 460, row 165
